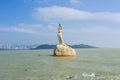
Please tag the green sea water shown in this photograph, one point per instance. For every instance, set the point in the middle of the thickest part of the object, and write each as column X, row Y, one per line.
column 88, row 64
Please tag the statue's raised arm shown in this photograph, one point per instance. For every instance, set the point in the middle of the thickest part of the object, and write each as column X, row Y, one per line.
column 60, row 38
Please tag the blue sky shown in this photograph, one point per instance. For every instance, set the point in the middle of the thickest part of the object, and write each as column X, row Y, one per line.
column 93, row 22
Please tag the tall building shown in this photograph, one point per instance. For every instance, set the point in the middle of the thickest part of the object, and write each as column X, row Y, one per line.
column 1, row 46
column 7, row 46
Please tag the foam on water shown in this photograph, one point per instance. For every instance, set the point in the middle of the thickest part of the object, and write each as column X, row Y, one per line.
column 94, row 76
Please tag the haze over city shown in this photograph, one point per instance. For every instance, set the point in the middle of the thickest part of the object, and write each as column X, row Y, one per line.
column 93, row 22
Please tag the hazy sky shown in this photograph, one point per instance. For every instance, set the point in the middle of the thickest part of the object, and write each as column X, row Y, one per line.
column 93, row 22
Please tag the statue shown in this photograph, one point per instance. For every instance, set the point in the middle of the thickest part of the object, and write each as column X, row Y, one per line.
column 60, row 38
column 62, row 49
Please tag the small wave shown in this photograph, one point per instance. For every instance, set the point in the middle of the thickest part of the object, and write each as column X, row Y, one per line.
column 88, row 75
column 93, row 76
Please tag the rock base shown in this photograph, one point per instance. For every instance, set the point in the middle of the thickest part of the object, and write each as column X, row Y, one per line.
column 64, row 50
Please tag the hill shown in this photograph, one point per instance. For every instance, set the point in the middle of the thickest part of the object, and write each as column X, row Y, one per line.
column 82, row 46
column 47, row 46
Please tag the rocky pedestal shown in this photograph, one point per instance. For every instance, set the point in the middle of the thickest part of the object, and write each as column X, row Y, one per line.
column 64, row 50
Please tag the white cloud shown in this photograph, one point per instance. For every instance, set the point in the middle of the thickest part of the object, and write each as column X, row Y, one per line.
column 94, row 30
column 56, row 12
column 65, row 13
column 15, row 29
column 24, row 28
column 30, row 26
column 103, row 30
column 36, row 29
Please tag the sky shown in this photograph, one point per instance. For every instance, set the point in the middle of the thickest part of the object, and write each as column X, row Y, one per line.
column 92, row 22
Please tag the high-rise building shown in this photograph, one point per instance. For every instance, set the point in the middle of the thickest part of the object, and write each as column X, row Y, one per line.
column 7, row 46
column 1, row 46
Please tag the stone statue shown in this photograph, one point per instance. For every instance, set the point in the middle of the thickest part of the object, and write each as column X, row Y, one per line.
column 60, row 38
column 62, row 49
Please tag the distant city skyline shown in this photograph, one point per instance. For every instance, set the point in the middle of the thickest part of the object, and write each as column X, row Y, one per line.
column 92, row 22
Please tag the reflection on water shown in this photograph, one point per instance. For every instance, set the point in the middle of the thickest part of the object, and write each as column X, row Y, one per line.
column 89, row 64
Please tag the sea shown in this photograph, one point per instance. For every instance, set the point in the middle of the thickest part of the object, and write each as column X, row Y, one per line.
column 88, row 64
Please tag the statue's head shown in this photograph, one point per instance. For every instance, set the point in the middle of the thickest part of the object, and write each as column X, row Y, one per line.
column 59, row 27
